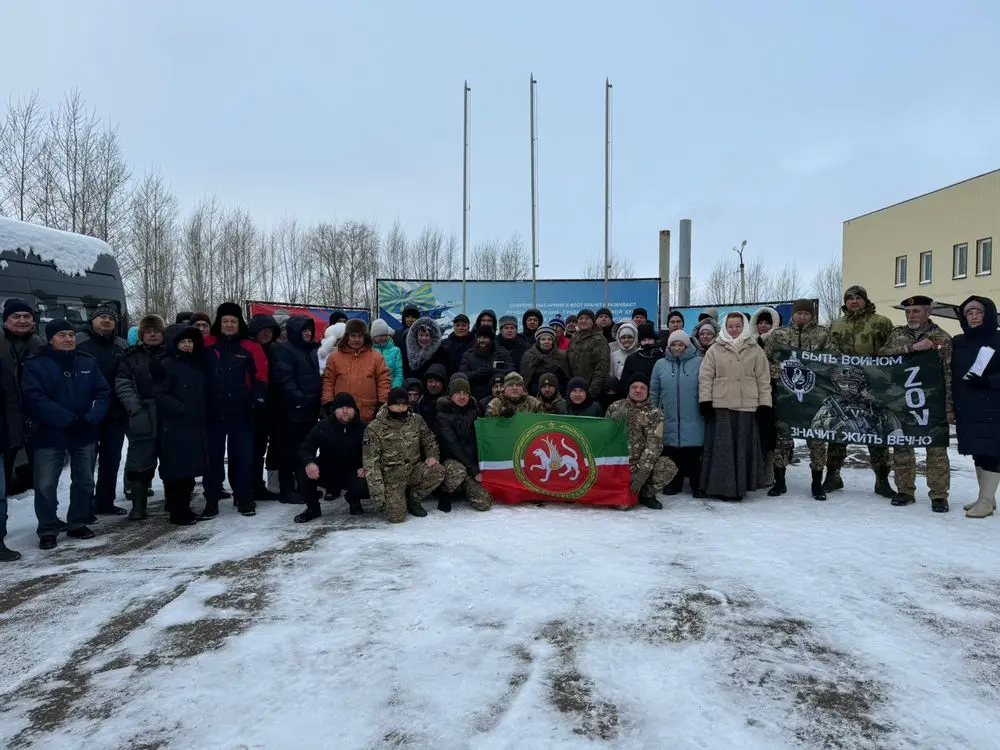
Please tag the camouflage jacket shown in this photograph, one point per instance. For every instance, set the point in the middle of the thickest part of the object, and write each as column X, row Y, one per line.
column 645, row 433
column 391, row 448
column 863, row 332
column 809, row 338
column 902, row 340
column 527, row 405
column 590, row 358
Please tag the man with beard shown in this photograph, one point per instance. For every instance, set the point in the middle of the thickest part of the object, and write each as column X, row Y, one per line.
column 650, row 471
column 484, row 361
column 549, row 397
column 588, row 354
column 644, row 360
column 496, row 388
column 513, row 400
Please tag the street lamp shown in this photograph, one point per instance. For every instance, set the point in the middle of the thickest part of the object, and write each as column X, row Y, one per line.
column 743, row 278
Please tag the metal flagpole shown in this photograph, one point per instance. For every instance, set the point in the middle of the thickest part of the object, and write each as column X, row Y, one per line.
column 607, row 187
column 534, row 198
column 467, row 96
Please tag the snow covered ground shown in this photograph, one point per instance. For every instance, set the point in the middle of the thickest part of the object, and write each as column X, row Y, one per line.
column 769, row 624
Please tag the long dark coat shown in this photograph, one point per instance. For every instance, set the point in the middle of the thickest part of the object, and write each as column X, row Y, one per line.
column 977, row 402
column 179, row 393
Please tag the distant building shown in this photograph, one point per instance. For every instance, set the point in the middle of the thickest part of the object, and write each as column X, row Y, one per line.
column 939, row 244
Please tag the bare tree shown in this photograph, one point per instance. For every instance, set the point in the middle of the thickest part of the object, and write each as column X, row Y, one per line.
column 21, row 137
column 236, row 257
column 346, row 261
column 73, row 140
column 827, row 287
column 200, row 239
column 149, row 259
column 425, row 253
column 785, row 285
column 109, row 187
column 395, row 256
column 500, row 260
column 619, row 267
column 291, row 264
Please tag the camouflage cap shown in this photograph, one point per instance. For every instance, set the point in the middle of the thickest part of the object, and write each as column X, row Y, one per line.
column 856, row 291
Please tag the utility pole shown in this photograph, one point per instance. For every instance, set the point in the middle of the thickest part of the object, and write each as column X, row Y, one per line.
column 534, row 198
column 607, row 187
column 467, row 97
column 743, row 276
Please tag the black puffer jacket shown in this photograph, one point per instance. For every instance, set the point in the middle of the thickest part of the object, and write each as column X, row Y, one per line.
column 135, row 381
column 108, row 351
column 339, row 446
column 456, row 433
column 482, row 364
column 537, row 363
column 515, row 347
column 179, row 394
column 977, row 401
column 295, row 378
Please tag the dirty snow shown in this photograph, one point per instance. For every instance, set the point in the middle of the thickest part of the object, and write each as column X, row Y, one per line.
column 73, row 254
column 775, row 623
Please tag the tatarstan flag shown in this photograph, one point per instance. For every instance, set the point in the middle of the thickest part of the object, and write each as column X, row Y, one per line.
column 554, row 457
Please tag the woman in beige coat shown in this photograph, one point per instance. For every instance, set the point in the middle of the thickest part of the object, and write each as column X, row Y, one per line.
column 734, row 387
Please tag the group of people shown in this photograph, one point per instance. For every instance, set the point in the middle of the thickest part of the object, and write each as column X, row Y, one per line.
column 390, row 415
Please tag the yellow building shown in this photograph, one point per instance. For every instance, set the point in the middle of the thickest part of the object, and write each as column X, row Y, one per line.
column 939, row 244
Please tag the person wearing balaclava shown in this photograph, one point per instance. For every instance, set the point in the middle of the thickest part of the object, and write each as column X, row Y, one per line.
column 643, row 359
column 401, row 459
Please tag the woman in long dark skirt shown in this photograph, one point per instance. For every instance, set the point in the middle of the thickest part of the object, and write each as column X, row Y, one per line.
column 734, row 392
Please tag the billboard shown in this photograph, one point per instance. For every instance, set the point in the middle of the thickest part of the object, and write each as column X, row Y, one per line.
column 442, row 300
column 692, row 312
column 319, row 313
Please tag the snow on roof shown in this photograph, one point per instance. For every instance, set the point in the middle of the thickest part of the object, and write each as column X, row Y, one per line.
column 73, row 254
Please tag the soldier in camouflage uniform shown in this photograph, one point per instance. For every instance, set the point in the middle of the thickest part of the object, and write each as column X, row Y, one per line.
column 650, row 470
column 918, row 335
column 588, row 354
column 803, row 334
column 859, row 331
column 513, row 399
column 401, row 459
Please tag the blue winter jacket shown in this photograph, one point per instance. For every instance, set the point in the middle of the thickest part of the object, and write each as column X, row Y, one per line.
column 394, row 361
column 66, row 395
column 674, row 389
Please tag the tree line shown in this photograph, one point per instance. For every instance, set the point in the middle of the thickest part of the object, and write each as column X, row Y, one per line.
column 64, row 168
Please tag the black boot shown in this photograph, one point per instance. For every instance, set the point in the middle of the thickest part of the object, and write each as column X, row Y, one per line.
column 415, row 508
column 247, row 507
column 354, row 506
column 882, row 486
column 7, row 554
column 833, row 482
column 139, row 498
column 899, row 499
column 444, row 502
column 311, row 513
column 650, row 501
column 818, row 492
column 779, row 487
column 211, row 510
column 939, row 506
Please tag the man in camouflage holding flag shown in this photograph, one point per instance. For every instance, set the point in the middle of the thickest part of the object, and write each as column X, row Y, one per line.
column 920, row 335
column 802, row 334
column 651, row 472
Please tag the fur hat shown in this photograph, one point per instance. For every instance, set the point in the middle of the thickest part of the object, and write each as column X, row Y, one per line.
column 507, row 320
column 229, row 308
column 549, row 378
column 485, row 332
column 337, row 316
column 151, row 322
column 110, row 308
column 803, row 305
column 513, row 378
column 56, row 326
column 679, row 335
column 355, row 325
column 380, row 328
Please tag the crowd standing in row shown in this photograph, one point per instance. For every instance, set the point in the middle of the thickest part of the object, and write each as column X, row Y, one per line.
column 391, row 415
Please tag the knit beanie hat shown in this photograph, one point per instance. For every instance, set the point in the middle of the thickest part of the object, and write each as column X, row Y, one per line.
column 575, row 383
column 458, row 385
column 398, row 396
column 557, row 320
column 55, row 326
column 676, row 314
column 485, row 332
column 343, row 399
column 545, row 331
column 678, row 336
column 640, row 311
column 605, row 311
column 337, row 316
column 856, row 291
column 199, row 316
column 709, row 312
column 640, row 378
column 109, row 308
column 513, row 378
column 380, row 328
column 803, row 305
column 16, row 305
column 583, row 312
column 548, row 378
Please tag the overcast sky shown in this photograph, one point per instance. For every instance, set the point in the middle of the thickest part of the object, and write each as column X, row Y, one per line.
column 770, row 121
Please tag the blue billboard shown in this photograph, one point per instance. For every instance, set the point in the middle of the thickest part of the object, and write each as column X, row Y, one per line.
column 442, row 300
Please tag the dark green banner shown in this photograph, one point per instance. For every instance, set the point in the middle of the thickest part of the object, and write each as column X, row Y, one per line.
column 846, row 398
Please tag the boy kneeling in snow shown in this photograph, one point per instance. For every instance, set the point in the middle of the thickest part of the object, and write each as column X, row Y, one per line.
column 338, row 467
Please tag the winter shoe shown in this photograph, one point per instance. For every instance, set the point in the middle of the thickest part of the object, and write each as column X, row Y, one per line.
column 833, row 482
column 81, row 533
column 900, row 500
column 139, row 499
column 183, row 517
column 7, row 554
column 225, row 495
column 211, row 510
column 309, row 514
column 650, row 501
column 273, row 485
column 778, row 488
column 817, row 490
column 114, row 510
column 62, row 525
column 249, row 508
column 47, row 542
column 444, row 502
column 699, row 494
column 882, row 486
column 986, row 504
column 354, row 508
column 968, row 506
column 415, row 508
column 939, row 506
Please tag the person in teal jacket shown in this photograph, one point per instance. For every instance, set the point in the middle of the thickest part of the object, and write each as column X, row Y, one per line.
column 382, row 334
column 133, row 336
column 674, row 389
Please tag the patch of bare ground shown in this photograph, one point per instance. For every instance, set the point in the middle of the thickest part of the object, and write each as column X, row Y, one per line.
column 677, row 617
column 25, row 591
column 490, row 719
column 119, row 538
column 573, row 693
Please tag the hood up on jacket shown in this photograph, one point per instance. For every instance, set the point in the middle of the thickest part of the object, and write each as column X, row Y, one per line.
column 990, row 321
column 775, row 321
column 438, row 373
column 262, row 322
column 746, row 336
column 294, row 327
column 536, row 313
column 355, row 325
column 479, row 320
column 187, row 332
column 415, row 355
column 628, row 327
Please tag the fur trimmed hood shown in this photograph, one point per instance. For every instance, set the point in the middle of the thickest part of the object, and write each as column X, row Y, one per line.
column 416, row 356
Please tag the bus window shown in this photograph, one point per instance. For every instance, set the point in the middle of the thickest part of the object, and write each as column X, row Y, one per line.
column 74, row 309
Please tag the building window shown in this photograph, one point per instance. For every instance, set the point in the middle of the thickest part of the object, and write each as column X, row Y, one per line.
column 984, row 257
column 900, row 270
column 925, row 268
column 960, row 261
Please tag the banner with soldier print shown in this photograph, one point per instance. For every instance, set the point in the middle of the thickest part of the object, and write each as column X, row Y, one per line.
column 861, row 400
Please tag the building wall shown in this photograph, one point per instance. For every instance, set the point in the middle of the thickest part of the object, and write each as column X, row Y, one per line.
column 964, row 213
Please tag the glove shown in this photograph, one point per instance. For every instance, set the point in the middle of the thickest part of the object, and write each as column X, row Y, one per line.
column 638, row 480
column 507, row 411
column 705, row 407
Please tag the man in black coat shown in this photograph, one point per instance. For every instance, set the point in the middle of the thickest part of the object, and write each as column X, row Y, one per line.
column 483, row 361
column 459, row 341
column 511, row 341
column 296, row 385
column 643, row 361
column 338, row 439
column 18, row 342
column 103, row 344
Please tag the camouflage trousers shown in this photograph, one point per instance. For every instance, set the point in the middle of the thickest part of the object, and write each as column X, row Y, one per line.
column 664, row 470
column 817, row 453
column 418, row 480
column 457, row 478
column 836, row 454
column 904, row 461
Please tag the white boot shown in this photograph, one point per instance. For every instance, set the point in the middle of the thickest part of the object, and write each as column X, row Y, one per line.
column 985, row 505
column 979, row 474
column 273, row 486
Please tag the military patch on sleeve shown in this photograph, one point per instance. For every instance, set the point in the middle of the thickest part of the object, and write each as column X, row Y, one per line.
column 367, row 439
